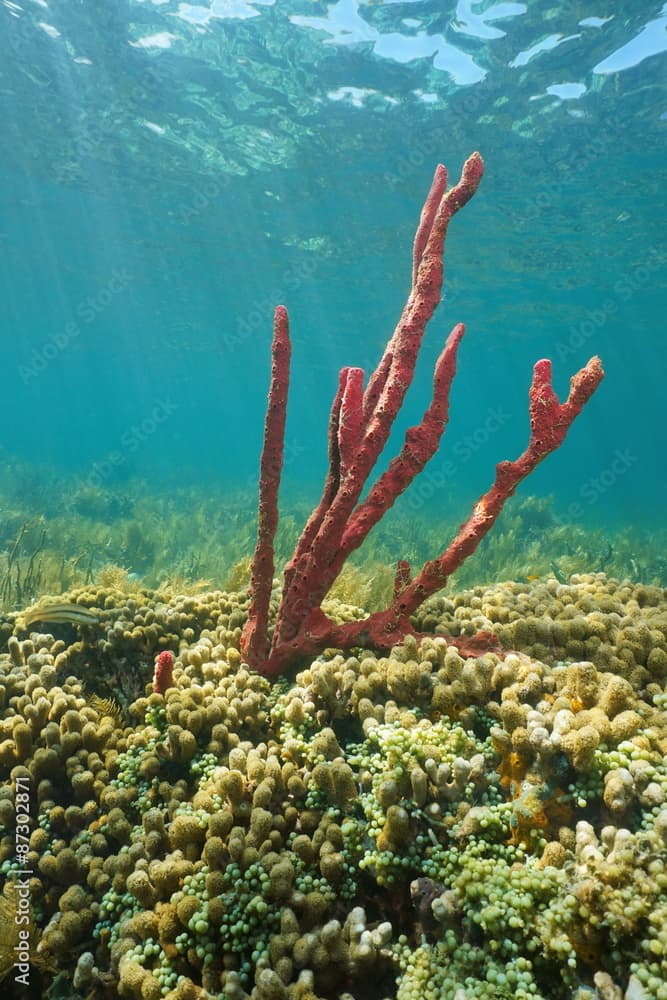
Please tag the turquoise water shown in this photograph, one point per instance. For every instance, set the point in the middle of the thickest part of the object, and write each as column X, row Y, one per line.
column 171, row 171
column 429, row 823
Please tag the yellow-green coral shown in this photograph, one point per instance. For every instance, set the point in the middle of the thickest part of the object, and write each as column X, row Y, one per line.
column 232, row 840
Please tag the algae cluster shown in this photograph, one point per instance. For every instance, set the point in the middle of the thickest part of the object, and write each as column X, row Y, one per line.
column 412, row 825
column 78, row 532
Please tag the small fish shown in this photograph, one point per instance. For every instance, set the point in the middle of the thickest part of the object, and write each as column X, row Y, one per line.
column 532, row 576
column 60, row 613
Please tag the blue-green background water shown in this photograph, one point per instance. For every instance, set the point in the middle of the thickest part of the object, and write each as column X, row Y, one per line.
column 171, row 171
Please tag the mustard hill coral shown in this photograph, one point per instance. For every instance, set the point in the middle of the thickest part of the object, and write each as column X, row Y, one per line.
column 416, row 824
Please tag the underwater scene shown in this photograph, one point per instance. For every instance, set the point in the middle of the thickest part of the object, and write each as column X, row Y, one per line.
column 333, row 493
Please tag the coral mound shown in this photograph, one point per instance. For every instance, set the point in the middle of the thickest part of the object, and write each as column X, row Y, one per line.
column 417, row 824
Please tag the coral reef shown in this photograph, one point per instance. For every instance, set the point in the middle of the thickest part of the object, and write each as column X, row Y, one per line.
column 414, row 824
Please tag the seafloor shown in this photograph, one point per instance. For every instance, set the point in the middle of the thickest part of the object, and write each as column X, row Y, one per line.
column 416, row 825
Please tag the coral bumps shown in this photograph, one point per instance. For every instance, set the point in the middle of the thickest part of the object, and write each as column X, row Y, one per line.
column 413, row 825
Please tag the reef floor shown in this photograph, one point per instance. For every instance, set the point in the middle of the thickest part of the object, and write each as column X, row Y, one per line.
column 419, row 826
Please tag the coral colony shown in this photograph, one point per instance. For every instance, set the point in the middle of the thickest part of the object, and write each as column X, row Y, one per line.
column 359, row 427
